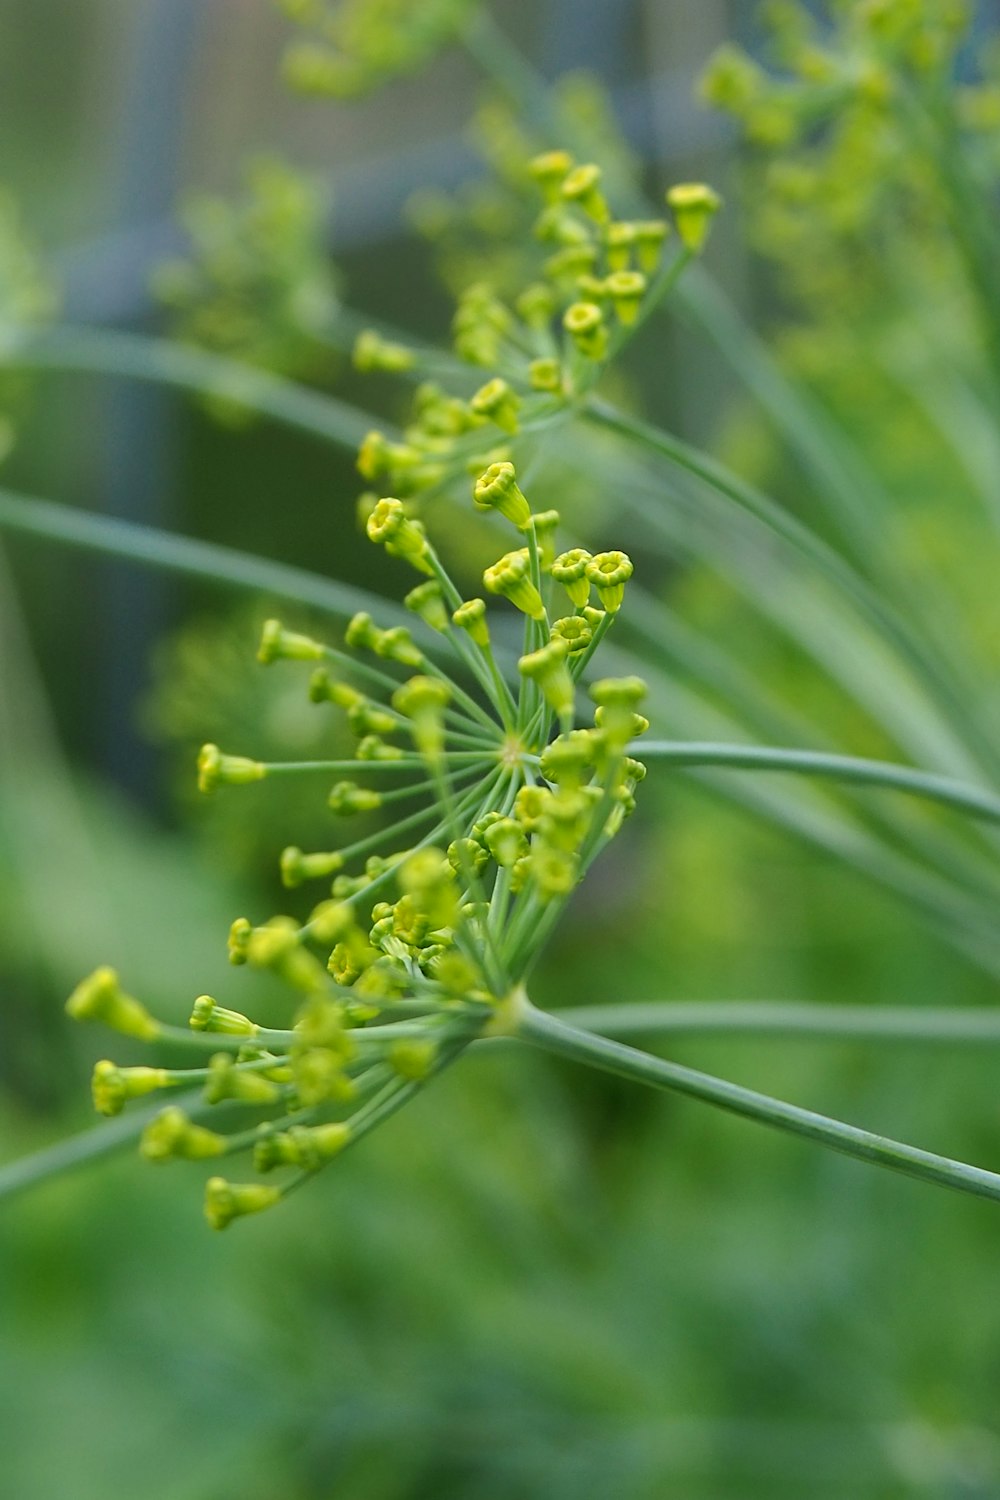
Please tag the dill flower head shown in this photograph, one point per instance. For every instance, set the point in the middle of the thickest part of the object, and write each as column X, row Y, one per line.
column 484, row 801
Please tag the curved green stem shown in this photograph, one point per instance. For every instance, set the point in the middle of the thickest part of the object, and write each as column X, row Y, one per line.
column 939, row 679
column 78, row 1150
column 185, row 555
column 140, row 357
column 553, row 1035
column 877, row 1023
column 943, row 789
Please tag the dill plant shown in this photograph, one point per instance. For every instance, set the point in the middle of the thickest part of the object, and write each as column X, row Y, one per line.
column 425, row 945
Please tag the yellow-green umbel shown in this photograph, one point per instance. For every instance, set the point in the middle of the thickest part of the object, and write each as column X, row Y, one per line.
column 497, row 489
column 694, row 206
column 609, row 572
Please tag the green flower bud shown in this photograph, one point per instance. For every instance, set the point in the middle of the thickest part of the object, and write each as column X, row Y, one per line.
column 553, row 871
column 569, row 760
column 574, row 632
column 570, row 569
column 550, row 170
column 506, row 841
column 423, row 700
column 584, row 322
column 471, row 617
column 398, row 645
column 239, row 939
column 412, row 1059
column 172, row 1136
column 616, row 716
column 100, row 997
column 347, row 798
column 531, row 805
column 208, row 1015
column 361, row 633
column 216, row 769
column 545, row 375
column 571, row 262
column 296, row 867
column 511, row 576
column 428, row 877
column 548, row 668
column 694, row 206
column 227, row 1080
column 626, row 290
column 112, row 1087
column 373, row 455
column 454, row 973
column 374, row 748
column 536, row 305
column 609, row 572
column 278, row 946
column 545, row 524
column 467, row 857
column 330, row 921
column 373, row 352
column 389, row 525
column 497, row 489
column 320, row 1077
column 366, row 718
column 498, row 403
column 324, row 689
column 581, row 187
column 226, row 1201
column 427, row 601
column 303, row 1146
column 649, row 237
column 277, row 644
column 618, row 242
column 624, row 691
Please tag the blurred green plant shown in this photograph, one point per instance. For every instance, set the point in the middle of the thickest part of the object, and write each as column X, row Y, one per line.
column 546, row 336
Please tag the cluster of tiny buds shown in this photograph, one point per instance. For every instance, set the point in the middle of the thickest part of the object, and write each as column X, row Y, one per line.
column 434, row 917
column 598, row 278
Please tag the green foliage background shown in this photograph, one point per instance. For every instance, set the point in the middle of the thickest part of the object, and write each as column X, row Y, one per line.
column 543, row 1282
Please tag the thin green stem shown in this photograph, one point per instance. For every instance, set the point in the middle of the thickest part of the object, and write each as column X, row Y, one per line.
column 552, row 1035
column 139, row 357
column 79, row 1150
column 880, row 1023
column 944, row 789
column 193, row 559
column 938, row 678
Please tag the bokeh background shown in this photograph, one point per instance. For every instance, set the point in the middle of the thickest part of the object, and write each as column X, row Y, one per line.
column 541, row 1283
